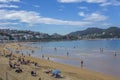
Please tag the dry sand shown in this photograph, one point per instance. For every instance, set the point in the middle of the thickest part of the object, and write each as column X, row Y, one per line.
column 68, row 72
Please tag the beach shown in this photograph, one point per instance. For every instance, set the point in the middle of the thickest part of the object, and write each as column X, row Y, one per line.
column 68, row 72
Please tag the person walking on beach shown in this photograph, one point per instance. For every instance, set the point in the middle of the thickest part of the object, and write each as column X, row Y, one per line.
column 81, row 63
column 48, row 58
column 42, row 56
column 115, row 54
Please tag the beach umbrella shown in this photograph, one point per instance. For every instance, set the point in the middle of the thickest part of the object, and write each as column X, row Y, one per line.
column 56, row 71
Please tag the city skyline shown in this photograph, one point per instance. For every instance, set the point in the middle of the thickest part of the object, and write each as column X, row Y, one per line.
column 58, row 16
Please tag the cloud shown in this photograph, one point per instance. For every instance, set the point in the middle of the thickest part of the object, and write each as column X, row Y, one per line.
column 8, row 6
column 95, row 1
column 112, row 2
column 83, row 7
column 37, row 6
column 32, row 18
column 6, row 1
column 68, row 1
column 8, row 23
column 101, row 2
column 95, row 17
column 88, row 1
column 7, row 27
column 81, row 14
column 61, row 8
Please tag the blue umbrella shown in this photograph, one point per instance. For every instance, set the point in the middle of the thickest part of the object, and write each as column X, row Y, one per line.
column 56, row 71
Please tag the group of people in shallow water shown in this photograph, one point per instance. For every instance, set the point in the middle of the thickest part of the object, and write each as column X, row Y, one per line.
column 101, row 51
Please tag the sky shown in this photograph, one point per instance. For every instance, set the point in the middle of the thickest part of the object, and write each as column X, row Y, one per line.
column 58, row 16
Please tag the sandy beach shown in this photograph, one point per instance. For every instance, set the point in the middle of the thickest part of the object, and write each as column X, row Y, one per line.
column 67, row 72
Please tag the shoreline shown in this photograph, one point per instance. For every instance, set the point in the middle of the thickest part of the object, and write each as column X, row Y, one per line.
column 60, row 59
column 72, row 72
column 34, row 41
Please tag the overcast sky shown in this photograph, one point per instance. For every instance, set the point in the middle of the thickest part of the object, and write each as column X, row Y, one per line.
column 58, row 16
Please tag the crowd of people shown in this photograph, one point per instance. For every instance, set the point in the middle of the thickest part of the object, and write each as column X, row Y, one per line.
column 15, row 63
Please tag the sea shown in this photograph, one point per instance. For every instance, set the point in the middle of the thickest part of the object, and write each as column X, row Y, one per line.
column 97, row 55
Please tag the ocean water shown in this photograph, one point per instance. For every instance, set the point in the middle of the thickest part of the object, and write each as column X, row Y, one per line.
column 87, row 50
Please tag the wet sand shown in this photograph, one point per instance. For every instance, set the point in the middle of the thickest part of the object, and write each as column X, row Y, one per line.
column 69, row 72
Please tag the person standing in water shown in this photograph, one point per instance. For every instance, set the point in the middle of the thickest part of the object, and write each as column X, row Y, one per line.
column 55, row 48
column 67, row 53
column 101, row 50
column 115, row 54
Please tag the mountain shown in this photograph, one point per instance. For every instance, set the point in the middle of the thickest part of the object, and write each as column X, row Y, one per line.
column 91, row 33
column 56, row 35
column 87, row 31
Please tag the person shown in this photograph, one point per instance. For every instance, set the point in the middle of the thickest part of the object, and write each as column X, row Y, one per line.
column 67, row 53
column 29, row 54
column 10, row 64
column 42, row 56
column 18, row 70
column 101, row 50
column 36, row 64
column 48, row 58
column 19, row 59
column 81, row 63
column 22, row 54
column 32, row 51
column 13, row 66
column 48, row 71
column 115, row 54
column 33, row 73
column 39, row 79
column 55, row 48
column 56, row 73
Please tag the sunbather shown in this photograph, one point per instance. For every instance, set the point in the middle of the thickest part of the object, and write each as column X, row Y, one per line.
column 18, row 70
column 33, row 73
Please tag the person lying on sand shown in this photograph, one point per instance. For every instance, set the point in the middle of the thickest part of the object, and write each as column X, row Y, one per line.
column 55, row 73
column 36, row 64
column 33, row 73
column 18, row 70
column 48, row 71
column 13, row 66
